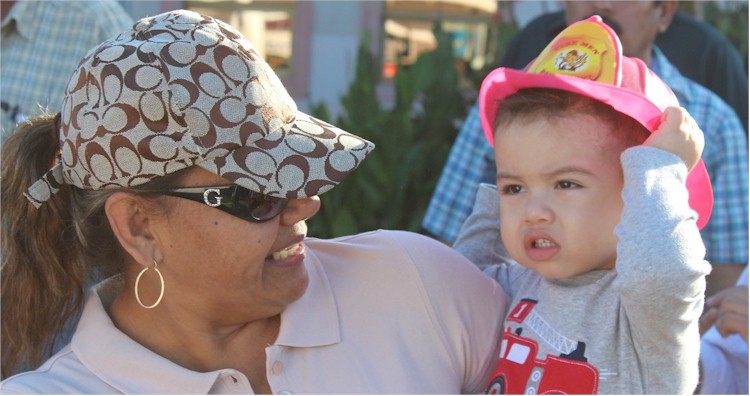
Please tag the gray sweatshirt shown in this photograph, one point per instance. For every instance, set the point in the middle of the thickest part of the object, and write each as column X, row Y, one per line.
column 630, row 330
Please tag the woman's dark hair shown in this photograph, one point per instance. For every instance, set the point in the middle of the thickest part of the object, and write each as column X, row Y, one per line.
column 51, row 253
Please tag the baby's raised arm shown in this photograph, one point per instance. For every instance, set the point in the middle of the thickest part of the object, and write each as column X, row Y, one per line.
column 678, row 134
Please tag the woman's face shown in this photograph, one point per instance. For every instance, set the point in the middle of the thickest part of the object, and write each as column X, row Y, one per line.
column 228, row 267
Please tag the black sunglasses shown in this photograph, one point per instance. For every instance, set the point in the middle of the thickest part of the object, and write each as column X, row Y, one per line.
column 233, row 199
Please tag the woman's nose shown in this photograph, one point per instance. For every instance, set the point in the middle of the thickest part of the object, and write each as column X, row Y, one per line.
column 300, row 209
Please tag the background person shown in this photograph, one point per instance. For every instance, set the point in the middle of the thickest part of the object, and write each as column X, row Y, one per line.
column 698, row 50
column 470, row 161
column 40, row 45
column 180, row 164
column 724, row 349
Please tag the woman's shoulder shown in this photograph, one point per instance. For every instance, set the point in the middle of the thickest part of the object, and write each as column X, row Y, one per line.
column 63, row 373
column 388, row 248
column 410, row 259
column 379, row 234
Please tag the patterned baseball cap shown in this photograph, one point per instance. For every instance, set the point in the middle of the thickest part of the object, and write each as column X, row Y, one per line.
column 586, row 59
column 183, row 89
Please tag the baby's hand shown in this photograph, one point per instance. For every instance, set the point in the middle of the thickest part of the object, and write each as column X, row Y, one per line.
column 678, row 134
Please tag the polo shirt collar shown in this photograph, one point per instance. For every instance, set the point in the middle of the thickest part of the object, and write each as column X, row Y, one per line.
column 25, row 17
column 132, row 368
column 313, row 320
column 123, row 363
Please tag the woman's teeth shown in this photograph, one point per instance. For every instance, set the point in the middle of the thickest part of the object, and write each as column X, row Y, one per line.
column 286, row 252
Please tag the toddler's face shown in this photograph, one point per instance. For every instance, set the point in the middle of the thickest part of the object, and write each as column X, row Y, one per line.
column 559, row 182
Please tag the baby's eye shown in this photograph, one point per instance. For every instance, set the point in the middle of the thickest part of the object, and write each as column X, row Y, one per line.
column 511, row 189
column 565, row 184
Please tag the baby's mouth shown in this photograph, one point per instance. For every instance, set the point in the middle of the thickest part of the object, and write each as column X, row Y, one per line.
column 542, row 243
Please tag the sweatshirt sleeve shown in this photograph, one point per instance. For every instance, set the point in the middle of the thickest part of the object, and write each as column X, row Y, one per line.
column 480, row 239
column 660, row 268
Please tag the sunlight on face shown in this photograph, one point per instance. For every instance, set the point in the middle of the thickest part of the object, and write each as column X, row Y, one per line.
column 559, row 183
column 221, row 264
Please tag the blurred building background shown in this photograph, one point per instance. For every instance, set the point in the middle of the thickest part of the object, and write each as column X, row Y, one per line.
column 313, row 44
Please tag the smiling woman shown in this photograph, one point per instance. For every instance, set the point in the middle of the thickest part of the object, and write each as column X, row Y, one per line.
column 180, row 175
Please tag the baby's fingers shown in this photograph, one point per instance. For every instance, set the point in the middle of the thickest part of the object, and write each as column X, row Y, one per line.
column 678, row 134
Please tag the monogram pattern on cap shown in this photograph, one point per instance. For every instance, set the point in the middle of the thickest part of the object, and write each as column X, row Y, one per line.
column 293, row 164
column 183, row 89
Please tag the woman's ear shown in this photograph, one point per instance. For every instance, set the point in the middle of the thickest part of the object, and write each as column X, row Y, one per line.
column 132, row 226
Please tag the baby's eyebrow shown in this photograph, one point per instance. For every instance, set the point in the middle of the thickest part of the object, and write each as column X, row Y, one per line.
column 568, row 169
column 505, row 176
column 502, row 175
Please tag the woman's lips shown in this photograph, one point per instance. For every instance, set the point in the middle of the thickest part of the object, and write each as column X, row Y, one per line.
column 291, row 255
column 286, row 252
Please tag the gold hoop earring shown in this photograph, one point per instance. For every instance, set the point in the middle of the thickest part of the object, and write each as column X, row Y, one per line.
column 138, row 280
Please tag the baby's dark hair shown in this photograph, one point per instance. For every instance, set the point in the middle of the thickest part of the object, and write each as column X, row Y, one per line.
column 554, row 104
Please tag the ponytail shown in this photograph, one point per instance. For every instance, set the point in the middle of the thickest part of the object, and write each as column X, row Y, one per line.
column 51, row 253
column 42, row 273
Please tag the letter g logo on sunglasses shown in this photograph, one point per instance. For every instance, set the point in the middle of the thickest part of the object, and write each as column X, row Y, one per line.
column 212, row 193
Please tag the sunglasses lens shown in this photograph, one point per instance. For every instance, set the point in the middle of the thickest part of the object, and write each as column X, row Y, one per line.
column 235, row 200
column 264, row 207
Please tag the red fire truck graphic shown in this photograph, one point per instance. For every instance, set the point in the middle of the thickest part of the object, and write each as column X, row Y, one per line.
column 519, row 371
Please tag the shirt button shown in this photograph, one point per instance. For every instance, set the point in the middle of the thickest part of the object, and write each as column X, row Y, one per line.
column 276, row 368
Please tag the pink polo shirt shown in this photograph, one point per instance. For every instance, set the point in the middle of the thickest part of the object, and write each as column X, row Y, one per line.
column 384, row 312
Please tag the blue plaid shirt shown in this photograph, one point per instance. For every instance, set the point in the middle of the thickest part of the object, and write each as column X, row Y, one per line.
column 41, row 43
column 471, row 161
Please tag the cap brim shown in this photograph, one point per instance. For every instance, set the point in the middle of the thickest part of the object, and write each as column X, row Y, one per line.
column 504, row 82
column 304, row 158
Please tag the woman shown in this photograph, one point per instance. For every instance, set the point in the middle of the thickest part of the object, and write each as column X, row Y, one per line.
column 181, row 168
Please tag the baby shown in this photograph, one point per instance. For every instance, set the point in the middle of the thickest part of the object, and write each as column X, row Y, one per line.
column 600, row 219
